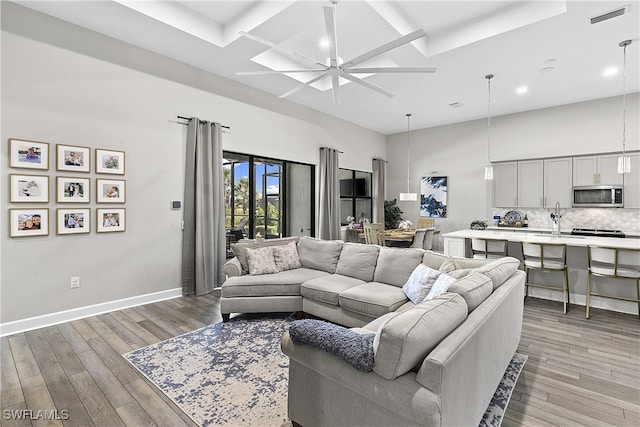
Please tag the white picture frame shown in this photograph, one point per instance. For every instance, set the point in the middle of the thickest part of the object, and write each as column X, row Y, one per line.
column 29, row 188
column 110, row 190
column 28, row 222
column 73, row 158
column 110, row 161
column 25, row 154
column 73, row 221
column 71, row 189
column 110, row 220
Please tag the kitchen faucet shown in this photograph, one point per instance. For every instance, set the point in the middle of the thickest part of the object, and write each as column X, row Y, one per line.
column 555, row 217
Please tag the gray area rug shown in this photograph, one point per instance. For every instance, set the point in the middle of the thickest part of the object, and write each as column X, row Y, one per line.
column 234, row 374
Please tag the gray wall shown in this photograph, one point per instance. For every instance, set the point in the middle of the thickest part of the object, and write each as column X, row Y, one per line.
column 62, row 84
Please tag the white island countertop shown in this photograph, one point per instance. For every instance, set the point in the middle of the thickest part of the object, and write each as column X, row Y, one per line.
column 528, row 236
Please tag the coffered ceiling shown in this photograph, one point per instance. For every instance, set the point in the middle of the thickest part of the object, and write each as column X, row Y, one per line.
column 548, row 47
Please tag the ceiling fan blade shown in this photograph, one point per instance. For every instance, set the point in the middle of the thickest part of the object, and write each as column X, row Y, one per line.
column 335, row 88
column 300, row 86
column 367, row 84
column 384, row 48
column 393, row 70
column 330, row 23
column 257, row 73
column 291, row 53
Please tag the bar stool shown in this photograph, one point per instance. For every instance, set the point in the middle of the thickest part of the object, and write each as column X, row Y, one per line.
column 615, row 263
column 547, row 257
column 489, row 248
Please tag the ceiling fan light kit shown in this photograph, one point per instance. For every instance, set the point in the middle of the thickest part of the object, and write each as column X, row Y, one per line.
column 334, row 68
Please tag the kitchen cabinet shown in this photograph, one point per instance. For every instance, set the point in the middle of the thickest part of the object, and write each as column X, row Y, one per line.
column 632, row 183
column 596, row 170
column 558, row 178
column 505, row 184
column 530, row 184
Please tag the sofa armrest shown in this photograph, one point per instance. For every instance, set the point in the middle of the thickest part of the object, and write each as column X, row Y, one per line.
column 468, row 365
column 232, row 267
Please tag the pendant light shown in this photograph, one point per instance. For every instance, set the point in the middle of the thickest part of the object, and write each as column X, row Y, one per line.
column 488, row 170
column 624, row 161
column 408, row 196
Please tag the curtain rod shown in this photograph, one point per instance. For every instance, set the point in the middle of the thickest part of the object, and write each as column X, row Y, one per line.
column 329, row 148
column 189, row 119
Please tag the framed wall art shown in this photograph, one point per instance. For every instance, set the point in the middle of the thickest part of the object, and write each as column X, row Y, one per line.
column 28, row 154
column 29, row 188
column 28, row 222
column 433, row 197
column 73, row 221
column 109, row 161
column 70, row 189
column 110, row 220
column 110, row 191
column 73, row 158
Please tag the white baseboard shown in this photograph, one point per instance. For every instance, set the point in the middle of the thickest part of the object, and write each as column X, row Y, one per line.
column 23, row 325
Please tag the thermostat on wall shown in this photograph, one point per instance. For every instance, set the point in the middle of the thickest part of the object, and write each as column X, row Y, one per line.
column 176, row 204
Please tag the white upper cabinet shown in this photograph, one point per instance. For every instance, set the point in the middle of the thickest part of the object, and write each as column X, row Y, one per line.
column 505, row 184
column 596, row 170
column 530, row 184
column 558, row 182
column 632, row 183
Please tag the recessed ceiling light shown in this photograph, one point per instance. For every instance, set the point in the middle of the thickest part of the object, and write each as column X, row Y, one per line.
column 611, row 71
column 522, row 90
column 324, row 42
column 546, row 69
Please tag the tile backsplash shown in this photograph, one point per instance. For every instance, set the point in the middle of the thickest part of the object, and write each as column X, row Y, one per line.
column 627, row 220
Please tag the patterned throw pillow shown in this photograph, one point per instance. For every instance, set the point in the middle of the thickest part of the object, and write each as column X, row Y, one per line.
column 261, row 261
column 286, row 256
column 420, row 282
column 440, row 287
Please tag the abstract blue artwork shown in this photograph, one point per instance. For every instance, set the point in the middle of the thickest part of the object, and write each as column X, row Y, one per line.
column 433, row 197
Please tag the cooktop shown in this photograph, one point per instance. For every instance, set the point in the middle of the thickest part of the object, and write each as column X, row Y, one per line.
column 597, row 232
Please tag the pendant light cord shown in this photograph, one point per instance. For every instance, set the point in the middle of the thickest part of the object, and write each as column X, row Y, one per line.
column 408, row 154
column 489, row 77
column 624, row 98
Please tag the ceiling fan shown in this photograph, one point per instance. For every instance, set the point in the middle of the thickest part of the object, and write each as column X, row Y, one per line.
column 335, row 70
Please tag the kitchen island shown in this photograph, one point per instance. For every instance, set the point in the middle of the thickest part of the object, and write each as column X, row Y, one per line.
column 458, row 243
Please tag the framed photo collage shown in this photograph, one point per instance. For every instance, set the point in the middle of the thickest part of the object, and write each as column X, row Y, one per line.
column 73, row 191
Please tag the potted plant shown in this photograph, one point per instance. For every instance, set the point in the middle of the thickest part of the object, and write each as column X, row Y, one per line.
column 392, row 214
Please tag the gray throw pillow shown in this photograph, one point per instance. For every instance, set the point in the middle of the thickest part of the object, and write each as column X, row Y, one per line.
column 261, row 261
column 286, row 256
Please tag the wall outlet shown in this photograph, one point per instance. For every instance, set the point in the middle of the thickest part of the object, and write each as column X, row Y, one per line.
column 75, row 282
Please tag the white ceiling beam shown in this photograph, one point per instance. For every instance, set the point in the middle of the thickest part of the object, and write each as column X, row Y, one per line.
column 392, row 13
column 254, row 17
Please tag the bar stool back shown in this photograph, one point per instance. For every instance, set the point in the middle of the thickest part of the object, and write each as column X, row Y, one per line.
column 548, row 257
column 489, row 248
column 616, row 263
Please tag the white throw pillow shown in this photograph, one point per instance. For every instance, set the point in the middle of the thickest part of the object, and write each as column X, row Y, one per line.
column 440, row 287
column 286, row 256
column 261, row 261
column 420, row 282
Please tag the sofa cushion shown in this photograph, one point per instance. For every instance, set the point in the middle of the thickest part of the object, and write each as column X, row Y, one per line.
column 434, row 259
column 286, row 256
column 278, row 284
column 474, row 288
column 261, row 261
column 372, row 299
column 353, row 347
column 405, row 339
column 319, row 254
column 358, row 260
column 239, row 249
column 457, row 263
column 420, row 282
column 396, row 264
column 328, row 288
column 498, row 270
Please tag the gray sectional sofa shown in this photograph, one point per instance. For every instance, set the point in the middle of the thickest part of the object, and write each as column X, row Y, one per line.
column 436, row 363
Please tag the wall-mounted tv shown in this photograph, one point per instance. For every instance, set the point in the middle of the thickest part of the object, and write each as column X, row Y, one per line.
column 347, row 187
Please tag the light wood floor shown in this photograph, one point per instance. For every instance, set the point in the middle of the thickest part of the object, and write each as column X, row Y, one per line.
column 580, row 372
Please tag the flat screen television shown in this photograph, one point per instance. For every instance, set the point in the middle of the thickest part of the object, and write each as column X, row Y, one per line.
column 347, row 187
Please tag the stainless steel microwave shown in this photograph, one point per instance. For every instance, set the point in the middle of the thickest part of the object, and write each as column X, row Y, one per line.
column 597, row 196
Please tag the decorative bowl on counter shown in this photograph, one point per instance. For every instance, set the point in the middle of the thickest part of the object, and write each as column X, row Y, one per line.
column 478, row 225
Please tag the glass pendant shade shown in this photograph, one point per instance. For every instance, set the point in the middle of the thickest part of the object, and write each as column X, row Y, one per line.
column 488, row 173
column 624, row 164
column 408, row 197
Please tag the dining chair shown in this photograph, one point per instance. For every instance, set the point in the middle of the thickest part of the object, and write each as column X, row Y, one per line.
column 374, row 234
column 423, row 239
column 547, row 257
column 489, row 248
column 614, row 263
column 426, row 223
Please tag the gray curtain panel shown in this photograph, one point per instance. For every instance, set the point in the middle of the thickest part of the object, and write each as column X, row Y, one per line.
column 378, row 188
column 329, row 215
column 203, row 239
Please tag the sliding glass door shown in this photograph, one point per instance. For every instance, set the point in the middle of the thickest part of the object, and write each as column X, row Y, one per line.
column 268, row 198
